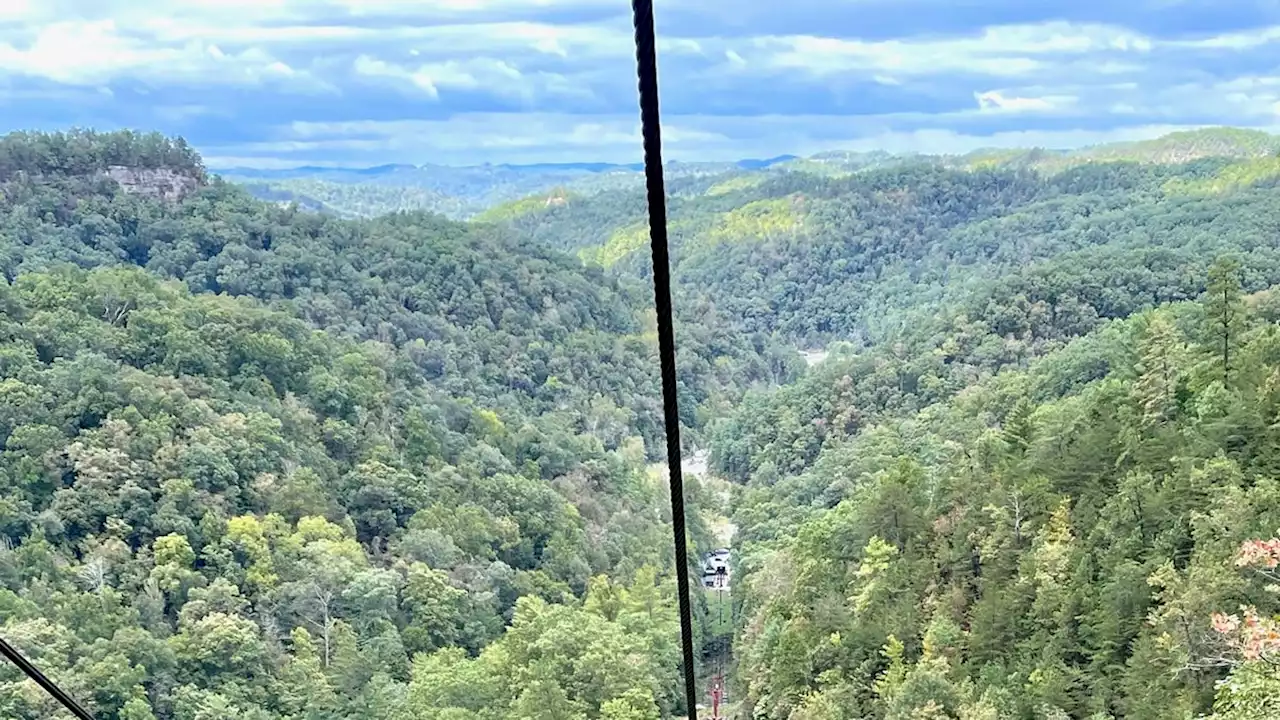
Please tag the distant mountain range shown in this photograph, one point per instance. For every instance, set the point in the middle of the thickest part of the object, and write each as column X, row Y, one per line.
column 464, row 192
column 395, row 169
column 459, row 192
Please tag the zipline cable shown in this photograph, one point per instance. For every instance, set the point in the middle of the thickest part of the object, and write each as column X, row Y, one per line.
column 34, row 673
column 647, row 72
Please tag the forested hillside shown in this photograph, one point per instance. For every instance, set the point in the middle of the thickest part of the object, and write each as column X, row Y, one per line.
column 269, row 464
column 1038, row 490
column 481, row 313
column 219, row 505
column 1051, row 542
column 266, row 462
column 859, row 258
column 1022, row 481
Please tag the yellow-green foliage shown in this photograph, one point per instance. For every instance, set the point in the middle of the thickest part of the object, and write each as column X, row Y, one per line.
column 1178, row 147
column 1231, row 177
column 987, row 159
column 509, row 211
column 816, row 167
column 1188, row 145
column 623, row 242
column 368, row 199
column 734, row 184
column 757, row 220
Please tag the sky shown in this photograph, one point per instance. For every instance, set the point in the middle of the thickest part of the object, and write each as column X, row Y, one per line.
column 281, row 83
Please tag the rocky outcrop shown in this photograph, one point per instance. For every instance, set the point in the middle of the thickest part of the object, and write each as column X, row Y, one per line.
column 159, row 183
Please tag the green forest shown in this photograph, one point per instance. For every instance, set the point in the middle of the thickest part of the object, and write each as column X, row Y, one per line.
column 263, row 460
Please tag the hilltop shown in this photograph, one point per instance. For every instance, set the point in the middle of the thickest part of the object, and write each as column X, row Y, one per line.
column 498, row 191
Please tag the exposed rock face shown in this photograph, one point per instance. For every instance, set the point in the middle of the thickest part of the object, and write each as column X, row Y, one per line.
column 161, row 183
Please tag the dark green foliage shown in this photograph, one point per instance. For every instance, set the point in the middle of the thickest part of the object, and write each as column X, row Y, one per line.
column 265, row 463
column 480, row 314
column 895, row 253
column 85, row 152
column 1081, row 537
column 256, row 461
column 1224, row 312
column 216, row 473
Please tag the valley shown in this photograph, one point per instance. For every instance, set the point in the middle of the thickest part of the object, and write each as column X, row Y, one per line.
column 986, row 436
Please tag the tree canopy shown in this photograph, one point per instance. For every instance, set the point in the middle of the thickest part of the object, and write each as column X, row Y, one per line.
column 265, row 462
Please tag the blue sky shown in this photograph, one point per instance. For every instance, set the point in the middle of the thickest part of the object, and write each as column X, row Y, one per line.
column 272, row 83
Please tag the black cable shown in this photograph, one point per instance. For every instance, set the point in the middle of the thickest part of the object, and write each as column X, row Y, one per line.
column 34, row 673
column 647, row 70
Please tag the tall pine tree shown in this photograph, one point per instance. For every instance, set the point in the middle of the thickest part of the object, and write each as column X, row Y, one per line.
column 1156, row 390
column 1224, row 312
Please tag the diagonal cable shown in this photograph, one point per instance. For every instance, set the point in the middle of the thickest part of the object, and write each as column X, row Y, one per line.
column 34, row 673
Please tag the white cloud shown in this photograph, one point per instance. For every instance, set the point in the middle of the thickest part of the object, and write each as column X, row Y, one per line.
column 14, row 9
column 562, row 69
column 998, row 101
column 435, row 7
column 677, row 134
column 483, row 74
column 179, row 30
column 260, row 162
column 476, row 137
column 283, row 13
column 80, row 53
column 1251, row 83
column 944, row 141
column 570, row 41
column 673, row 45
column 1242, row 100
column 372, row 67
column 1244, row 40
column 95, row 52
column 472, row 74
column 471, row 131
column 1007, row 50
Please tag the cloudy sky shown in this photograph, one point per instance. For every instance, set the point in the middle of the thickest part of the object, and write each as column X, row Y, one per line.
column 272, row 83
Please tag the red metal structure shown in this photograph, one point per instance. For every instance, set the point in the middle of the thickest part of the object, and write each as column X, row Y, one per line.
column 715, row 697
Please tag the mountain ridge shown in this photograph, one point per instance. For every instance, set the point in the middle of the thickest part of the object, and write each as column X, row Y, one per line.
column 1216, row 141
column 463, row 192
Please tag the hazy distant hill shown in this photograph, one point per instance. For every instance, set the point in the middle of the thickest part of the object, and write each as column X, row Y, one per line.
column 466, row 192
column 459, row 192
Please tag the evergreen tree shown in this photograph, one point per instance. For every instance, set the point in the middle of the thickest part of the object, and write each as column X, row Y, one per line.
column 1018, row 428
column 1160, row 368
column 1224, row 312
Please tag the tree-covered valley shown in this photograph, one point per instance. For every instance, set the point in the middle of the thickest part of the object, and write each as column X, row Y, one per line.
column 266, row 462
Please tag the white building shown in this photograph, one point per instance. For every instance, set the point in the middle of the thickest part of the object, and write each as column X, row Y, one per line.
column 715, row 569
